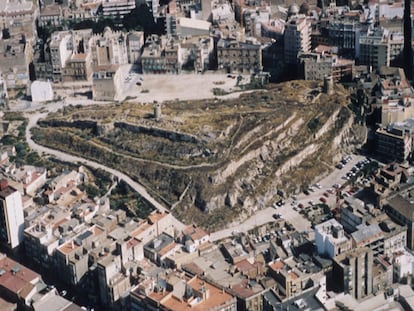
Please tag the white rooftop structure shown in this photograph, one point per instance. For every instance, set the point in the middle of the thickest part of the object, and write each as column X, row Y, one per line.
column 195, row 24
column 331, row 239
column 41, row 91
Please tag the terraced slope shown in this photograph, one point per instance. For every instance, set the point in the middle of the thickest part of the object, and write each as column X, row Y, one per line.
column 213, row 161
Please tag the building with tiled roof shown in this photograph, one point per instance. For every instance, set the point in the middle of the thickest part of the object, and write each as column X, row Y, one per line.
column 182, row 292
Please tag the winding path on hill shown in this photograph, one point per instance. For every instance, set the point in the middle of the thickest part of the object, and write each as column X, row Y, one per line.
column 34, row 117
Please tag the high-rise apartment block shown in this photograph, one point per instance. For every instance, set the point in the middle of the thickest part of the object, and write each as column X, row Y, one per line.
column 11, row 215
column 297, row 38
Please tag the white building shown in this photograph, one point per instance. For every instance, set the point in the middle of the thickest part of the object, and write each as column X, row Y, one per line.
column 117, row 7
column 331, row 239
column 41, row 91
column 297, row 38
column 403, row 264
column 192, row 27
column 11, row 215
column 379, row 47
column 222, row 11
column 110, row 47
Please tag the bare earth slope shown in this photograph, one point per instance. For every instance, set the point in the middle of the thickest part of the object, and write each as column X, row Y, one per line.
column 213, row 161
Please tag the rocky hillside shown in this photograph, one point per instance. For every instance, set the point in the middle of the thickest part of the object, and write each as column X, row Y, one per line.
column 214, row 160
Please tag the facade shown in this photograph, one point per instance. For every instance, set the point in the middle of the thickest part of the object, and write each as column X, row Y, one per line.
column 288, row 280
column 241, row 57
column 394, row 143
column 161, row 56
column 40, row 238
column 50, row 15
column 370, row 236
column 117, row 7
column 197, row 53
column 106, row 83
column 345, row 33
column 352, row 272
column 379, row 47
column 4, row 97
column 110, row 47
column 331, row 239
column 387, row 179
column 78, row 68
column 111, row 283
column 70, row 55
column 399, row 207
column 297, row 38
column 135, row 43
column 60, row 51
column 11, row 216
column 318, row 65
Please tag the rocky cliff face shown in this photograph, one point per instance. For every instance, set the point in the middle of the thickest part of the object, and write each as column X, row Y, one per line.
column 216, row 161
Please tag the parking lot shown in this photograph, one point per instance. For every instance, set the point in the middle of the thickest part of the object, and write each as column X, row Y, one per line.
column 322, row 192
column 289, row 211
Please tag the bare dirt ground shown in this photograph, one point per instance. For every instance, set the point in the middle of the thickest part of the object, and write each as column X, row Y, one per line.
column 183, row 87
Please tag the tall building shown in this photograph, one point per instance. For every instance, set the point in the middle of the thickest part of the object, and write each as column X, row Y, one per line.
column 395, row 142
column 379, row 47
column 117, row 7
column 11, row 215
column 399, row 207
column 408, row 47
column 352, row 272
column 242, row 57
column 344, row 34
column 297, row 38
column 331, row 239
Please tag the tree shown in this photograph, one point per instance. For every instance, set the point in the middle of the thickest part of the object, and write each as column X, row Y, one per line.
column 141, row 18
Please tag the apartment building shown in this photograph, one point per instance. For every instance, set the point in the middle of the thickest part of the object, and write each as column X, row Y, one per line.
column 399, row 207
column 180, row 292
column 110, row 47
column 331, row 239
column 297, row 38
column 352, row 272
column 117, row 7
column 135, row 43
column 394, row 142
column 11, row 216
column 107, row 82
column 323, row 62
column 379, row 47
column 288, row 280
column 161, row 56
column 241, row 57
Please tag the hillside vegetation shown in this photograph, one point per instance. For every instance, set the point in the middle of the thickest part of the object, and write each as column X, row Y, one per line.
column 215, row 160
